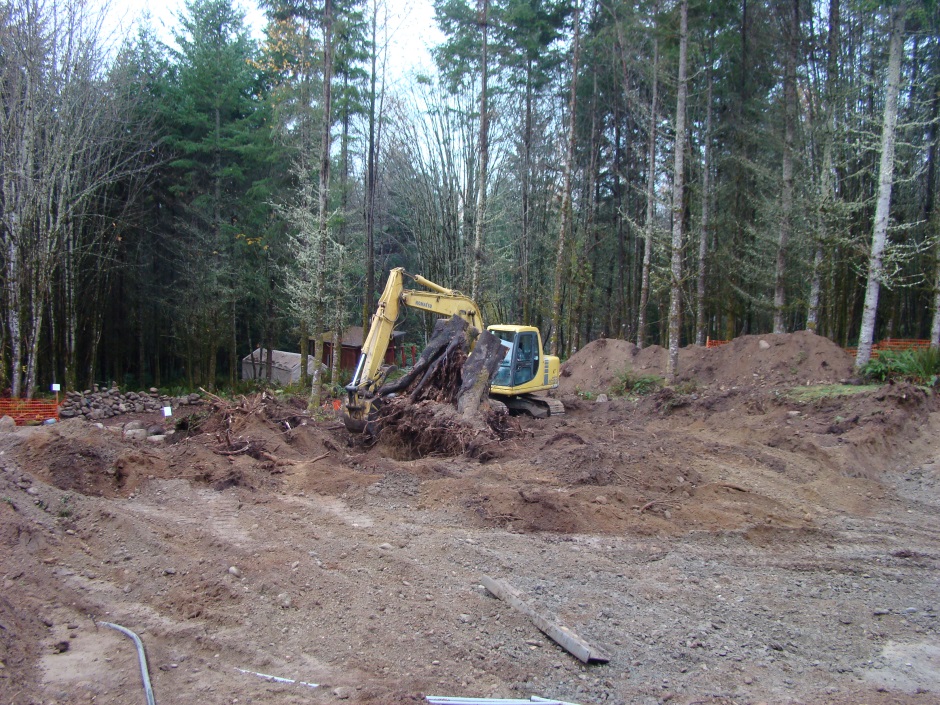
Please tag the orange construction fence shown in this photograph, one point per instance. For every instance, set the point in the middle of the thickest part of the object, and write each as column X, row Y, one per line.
column 901, row 344
column 709, row 343
column 26, row 411
column 895, row 344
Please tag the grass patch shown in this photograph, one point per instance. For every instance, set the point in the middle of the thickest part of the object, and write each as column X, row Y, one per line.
column 630, row 384
column 824, row 391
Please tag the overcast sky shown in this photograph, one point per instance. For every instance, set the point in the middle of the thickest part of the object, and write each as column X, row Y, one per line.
column 411, row 26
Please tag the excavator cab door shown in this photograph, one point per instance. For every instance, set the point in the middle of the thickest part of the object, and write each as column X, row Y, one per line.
column 527, row 358
column 521, row 360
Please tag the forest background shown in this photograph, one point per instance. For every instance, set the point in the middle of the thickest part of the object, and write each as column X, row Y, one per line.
column 658, row 171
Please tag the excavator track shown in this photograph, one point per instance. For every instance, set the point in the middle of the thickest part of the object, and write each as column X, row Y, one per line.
column 555, row 407
column 498, row 406
column 537, row 406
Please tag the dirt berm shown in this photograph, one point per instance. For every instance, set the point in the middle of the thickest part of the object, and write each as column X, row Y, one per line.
column 749, row 361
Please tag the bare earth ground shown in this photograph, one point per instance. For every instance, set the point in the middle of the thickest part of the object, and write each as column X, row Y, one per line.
column 727, row 545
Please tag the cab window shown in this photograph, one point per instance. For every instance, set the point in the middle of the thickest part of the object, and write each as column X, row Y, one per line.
column 503, row 377
column 526, row 355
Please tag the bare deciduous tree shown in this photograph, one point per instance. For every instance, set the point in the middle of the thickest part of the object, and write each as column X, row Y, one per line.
column 678, row 191
column 885, row 182
column 63, row 143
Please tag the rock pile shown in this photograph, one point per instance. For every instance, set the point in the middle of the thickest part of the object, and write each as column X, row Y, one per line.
column 105, row 403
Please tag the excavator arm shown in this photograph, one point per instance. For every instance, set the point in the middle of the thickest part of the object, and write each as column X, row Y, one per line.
column 368, row 376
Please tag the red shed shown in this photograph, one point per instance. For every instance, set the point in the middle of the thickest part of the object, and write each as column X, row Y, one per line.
column 351, row 348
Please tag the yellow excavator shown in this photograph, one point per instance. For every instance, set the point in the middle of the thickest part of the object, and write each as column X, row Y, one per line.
column 524, row 370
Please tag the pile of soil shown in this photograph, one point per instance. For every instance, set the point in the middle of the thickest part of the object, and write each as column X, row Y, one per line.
column 790, row 359
column 595, row 367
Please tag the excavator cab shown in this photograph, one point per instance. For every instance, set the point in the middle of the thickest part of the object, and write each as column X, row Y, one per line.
column 521, row 361
column 525, row 369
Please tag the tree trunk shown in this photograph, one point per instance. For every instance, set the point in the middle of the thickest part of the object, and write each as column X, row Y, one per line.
column 211, row 361
column 700, row 321
column 483, row 157
column 374, row 148
column 815, row 289
column 189, row 363
column 650, row 199
column 324, row 201
column 930, row 214
column 585, row 274
column 566, row 193
column 524, row 294
column 14, row 320
column 233, row 354
column 71, row 316
column 885, row 182
column 935, row 325
column 678, row 192
column 477, row 374
column 339, row 292
column 617, row 329
column 36, row 309
column 368, row 303
column 827, row 190
column 786, row 193
column 304, row 354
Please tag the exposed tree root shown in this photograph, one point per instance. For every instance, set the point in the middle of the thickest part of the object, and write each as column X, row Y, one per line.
column 441, row 408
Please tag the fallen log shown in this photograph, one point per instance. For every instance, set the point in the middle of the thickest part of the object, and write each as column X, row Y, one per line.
column 560, row 634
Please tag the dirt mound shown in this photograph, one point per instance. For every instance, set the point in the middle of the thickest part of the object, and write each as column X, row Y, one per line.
column 751, row 360
column 596, row 366
column 768, row 360
column 78, row 457
column 248, row 442
column 860, row 436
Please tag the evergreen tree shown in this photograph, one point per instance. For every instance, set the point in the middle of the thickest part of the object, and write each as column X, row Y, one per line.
column 209, row 119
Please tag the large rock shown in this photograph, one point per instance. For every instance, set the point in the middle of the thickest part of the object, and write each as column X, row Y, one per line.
column 7, row 424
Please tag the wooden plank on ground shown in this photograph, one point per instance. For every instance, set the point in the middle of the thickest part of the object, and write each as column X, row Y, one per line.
column 560, row 634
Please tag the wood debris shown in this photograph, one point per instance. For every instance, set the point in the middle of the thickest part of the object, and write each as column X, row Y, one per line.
column 560, row 634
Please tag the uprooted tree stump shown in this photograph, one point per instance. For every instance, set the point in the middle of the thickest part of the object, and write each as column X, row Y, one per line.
column 442, row 406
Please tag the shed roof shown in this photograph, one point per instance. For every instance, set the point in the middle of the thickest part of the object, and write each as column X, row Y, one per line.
column 279, row 359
